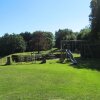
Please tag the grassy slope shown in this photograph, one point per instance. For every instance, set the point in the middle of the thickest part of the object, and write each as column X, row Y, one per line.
column 50, row 81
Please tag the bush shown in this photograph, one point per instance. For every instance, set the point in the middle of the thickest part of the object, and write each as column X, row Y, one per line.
column 26, row 58
column 50, row 56
column 22, row 58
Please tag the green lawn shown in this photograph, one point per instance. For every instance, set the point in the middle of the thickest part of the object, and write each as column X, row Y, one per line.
column 50, row 81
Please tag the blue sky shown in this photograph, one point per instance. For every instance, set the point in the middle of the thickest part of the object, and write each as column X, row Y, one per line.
column 47, row 15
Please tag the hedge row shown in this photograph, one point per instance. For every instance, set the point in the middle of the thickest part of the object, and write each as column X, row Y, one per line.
column 29, row 58
column 25, row 58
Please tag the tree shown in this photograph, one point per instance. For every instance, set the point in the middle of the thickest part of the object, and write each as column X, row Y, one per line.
column 41, row 41
column 50, row 39
column 11, row 44
column 84, row 34
column 95, row 19
column 27, row 36
column 65, row 34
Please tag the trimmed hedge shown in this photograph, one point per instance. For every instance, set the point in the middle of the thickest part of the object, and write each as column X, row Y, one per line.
column 21, row 58
column 25, row 58
column 29, row 58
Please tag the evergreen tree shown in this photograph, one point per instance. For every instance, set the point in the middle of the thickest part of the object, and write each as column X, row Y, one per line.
column 95, row 19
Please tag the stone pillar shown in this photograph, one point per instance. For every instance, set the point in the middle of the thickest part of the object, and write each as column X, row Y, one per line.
column 8, row 61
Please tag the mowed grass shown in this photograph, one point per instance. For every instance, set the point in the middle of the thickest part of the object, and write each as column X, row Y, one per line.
column 50, row 81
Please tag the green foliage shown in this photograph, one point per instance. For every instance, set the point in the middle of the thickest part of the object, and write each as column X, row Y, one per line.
column 84, row 34
column 93, row 35
column 27, row 36
column 11, row 43
column 95, row 19
column 41, row 41
column 65, row 34
column 26, row 58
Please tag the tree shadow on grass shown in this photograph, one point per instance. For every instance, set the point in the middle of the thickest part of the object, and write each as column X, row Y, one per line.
column 87, row 63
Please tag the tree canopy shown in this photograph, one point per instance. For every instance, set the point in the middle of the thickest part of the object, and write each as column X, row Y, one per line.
column 65, row 34
column 95, row 19
column 26, row 41
column 84, row 34
column 41, row 41
column 11, row 43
